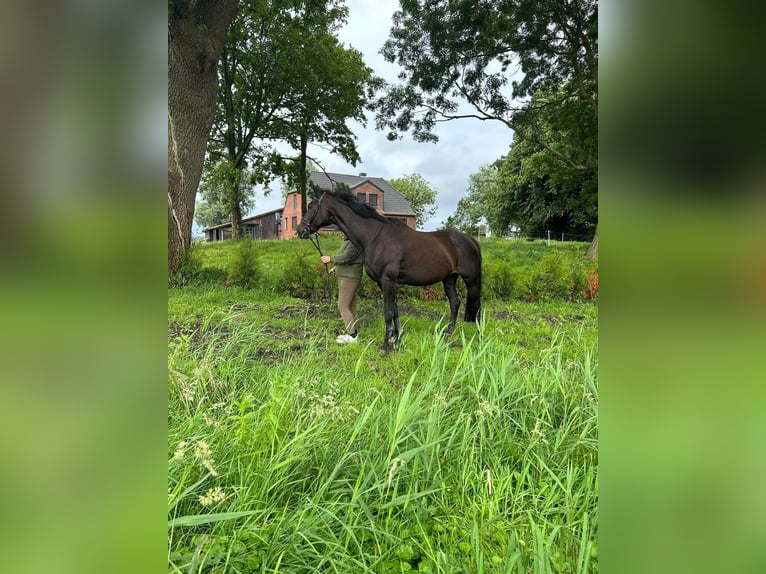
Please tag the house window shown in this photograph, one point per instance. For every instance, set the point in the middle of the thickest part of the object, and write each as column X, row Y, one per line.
column 361, row 197
column 373, row 200
column 295, row 201
column 295, row 221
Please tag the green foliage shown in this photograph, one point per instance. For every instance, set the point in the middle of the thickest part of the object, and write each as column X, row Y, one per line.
column 243, row 271
column 284, row 77
column 462, row 50
column 551, row 278
column 480, row 204
column 504, row 280
column 538, row 192
column 533, row 67
column 219, row 179
column 513, row 270
column 420, row 195
column 302, row 276
column 193, row 270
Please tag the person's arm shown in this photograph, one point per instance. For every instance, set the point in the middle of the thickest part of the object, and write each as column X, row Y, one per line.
column 348, row 253
column 326, row 259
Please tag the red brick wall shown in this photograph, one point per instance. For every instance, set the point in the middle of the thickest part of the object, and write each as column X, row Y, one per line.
column 292, row 209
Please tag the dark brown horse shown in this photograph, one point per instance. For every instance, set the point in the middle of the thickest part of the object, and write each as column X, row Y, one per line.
column 394, row 253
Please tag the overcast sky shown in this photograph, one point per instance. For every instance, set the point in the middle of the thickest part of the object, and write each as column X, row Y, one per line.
column 464, row 145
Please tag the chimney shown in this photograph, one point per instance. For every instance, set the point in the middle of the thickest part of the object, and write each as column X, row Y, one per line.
column 362, row 174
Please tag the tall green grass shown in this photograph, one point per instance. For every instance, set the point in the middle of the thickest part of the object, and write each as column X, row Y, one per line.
column 513, row 270
column 288, row 453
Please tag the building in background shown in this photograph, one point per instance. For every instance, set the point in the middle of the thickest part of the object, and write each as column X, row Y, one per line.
column 283, row 223
column 262, row 226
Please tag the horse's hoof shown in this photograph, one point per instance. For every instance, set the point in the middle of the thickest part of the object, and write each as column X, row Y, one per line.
column 390, row 345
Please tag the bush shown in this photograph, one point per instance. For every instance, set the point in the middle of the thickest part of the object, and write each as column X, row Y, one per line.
column 583, row 272
column 591, row 292
column 302, row 277
column 504, row 280
column 551, row 278
column 244, row 268
column 193, row 271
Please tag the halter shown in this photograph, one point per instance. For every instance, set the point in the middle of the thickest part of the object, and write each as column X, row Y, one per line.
column 315, row 242
column 310, row 227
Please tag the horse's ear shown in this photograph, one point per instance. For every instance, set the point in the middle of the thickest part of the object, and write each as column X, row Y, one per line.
column 315, row 191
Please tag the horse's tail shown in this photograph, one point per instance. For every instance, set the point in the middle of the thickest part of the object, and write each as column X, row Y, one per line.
column 473, row 286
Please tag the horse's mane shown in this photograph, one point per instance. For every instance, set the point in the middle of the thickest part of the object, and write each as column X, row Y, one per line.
column 361, row 209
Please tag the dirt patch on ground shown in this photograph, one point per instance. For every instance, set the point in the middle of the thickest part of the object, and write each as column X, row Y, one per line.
column 269, row 343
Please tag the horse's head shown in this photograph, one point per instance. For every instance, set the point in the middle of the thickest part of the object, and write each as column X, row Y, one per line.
column 315, row 217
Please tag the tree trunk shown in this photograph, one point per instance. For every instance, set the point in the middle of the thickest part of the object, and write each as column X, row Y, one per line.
column 196, row 35
column 593, row 249
column 235, row 207
column 302, row 184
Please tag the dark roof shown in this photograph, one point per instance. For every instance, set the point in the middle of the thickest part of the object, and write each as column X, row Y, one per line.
column 250, row 219
column 394, row 203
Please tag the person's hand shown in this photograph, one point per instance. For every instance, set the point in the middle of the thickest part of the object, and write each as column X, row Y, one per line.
column 325, row 259
column 332, row 271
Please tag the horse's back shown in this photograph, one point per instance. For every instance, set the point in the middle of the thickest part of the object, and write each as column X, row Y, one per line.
column 466, row 244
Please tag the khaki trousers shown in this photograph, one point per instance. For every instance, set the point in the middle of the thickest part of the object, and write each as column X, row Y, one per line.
column 347, row 302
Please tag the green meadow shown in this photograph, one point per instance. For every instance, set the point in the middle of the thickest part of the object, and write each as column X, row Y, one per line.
column 290, row 453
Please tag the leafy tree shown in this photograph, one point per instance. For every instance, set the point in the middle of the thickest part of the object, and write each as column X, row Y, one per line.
column 284, row 77
column 335, row 85
column 464, row 219
column 538, row 192
column 254, row 78
column 214, row 208
column 196, row 35
column 474, row 209
column 458, row 52
column 420, row 195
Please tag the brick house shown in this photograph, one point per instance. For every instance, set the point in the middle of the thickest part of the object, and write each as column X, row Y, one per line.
column 283, row 223
column 374, row 191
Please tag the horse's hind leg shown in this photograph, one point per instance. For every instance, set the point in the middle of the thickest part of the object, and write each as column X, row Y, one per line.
column 454, row 301
column 390, row 315
column 473, row 304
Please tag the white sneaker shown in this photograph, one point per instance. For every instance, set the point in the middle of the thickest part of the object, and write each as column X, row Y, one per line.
column 344, row 338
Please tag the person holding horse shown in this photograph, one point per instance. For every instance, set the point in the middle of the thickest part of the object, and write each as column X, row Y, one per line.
column 348, row 263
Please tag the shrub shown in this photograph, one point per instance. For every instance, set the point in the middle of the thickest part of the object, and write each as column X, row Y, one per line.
column 591, row 292
column 505, row 280
column 244, row 268
column 302, row 277
column 551, row 278
column 583, row 273
column 193, row 271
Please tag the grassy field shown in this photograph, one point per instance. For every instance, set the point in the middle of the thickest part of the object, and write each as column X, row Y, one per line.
column 290, row 453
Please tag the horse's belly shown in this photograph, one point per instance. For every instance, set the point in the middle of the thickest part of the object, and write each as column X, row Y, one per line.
column 422, row 277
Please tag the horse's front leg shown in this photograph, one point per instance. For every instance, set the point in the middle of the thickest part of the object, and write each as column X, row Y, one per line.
column 390, row 314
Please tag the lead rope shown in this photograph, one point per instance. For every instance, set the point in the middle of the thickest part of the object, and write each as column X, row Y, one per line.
column 327, row 286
